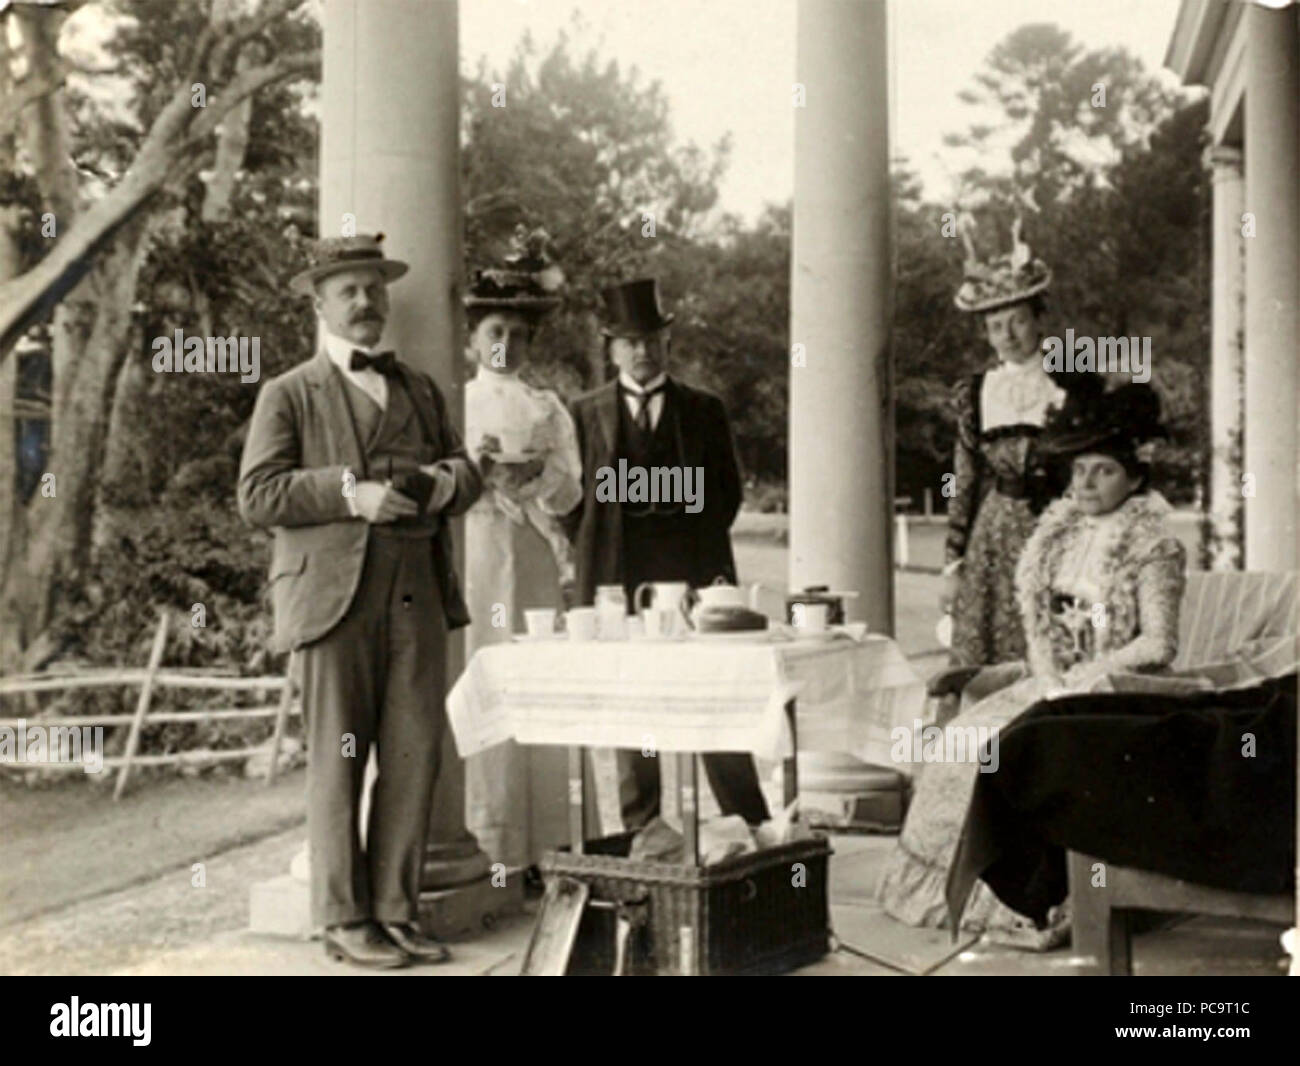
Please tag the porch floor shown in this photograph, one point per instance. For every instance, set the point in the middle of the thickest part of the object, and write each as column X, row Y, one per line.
column 867, row 943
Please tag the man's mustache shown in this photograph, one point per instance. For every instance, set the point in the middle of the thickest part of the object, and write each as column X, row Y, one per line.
column 365, row 316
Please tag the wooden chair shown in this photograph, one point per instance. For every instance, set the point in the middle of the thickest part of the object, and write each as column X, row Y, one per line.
column 1222, row 612
column 1102, row 917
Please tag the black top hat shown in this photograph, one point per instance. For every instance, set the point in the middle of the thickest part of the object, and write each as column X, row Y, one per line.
column 632, row 309
column 1115, row 423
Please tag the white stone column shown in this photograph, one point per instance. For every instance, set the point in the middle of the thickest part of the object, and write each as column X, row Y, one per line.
column 1226, row 502
column 390, row 157
column 841, row 418
column 1272, row 145
column 841, row 402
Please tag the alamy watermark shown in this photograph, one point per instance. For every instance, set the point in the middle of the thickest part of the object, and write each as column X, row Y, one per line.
column 180, row 354
column 53, row 744
column 950, row 743
column 102, row 1019
column 1102, row 355
column 651, row 485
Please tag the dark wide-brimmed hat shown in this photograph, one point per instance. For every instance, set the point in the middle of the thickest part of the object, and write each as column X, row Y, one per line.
column 529, row 282
column 333, row 255
column 632, row 309
column 1122, row 423
column 1001, row 281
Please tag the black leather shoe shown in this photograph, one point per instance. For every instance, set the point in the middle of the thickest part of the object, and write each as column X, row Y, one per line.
column 364, row 944
column 416, row 944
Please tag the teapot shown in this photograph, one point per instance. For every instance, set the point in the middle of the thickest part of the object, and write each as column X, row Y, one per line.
column 720, row 594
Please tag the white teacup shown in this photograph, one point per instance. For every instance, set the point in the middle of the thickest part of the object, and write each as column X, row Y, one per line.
column 811, row 618
column 514, row 440
column 540, row 622
column 580, row 622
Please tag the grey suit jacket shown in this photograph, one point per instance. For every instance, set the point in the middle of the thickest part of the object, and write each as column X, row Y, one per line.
column 301, row 441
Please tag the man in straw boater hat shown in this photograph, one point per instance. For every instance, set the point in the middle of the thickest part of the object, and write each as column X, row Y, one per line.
column 648, row 419
column 351, row 460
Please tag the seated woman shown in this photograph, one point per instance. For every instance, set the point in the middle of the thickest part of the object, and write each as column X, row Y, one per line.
column 1098, row 586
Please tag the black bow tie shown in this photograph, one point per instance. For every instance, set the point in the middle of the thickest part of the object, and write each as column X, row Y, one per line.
column 383, row 362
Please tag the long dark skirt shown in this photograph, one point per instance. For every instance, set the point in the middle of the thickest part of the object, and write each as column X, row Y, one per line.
column 1199, row 787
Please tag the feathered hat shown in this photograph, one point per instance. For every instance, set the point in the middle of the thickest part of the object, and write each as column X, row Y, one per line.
column 529, row 282
column 1001, row 281
column 1123, row 423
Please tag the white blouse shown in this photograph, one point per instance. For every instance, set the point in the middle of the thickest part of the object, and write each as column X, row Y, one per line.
column 1017, row 393
column 501, row 405
column 1079, row 572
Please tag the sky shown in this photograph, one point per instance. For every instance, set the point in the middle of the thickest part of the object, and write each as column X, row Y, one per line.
column 728, row 65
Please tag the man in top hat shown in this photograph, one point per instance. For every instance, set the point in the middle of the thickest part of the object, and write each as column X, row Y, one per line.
column 352, row 461
column 650, row 419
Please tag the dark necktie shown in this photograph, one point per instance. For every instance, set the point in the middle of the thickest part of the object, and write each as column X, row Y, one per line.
column 383, row 362
column 643, row 397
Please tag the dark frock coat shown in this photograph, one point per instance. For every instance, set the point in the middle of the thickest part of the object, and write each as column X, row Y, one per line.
column 596, row 528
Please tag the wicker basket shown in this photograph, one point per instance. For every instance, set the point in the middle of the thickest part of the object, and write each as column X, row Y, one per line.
column 746, row 915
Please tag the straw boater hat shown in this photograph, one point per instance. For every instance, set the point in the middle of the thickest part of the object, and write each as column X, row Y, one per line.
column 1003, row 280
column 332, row 255
column 530, row 281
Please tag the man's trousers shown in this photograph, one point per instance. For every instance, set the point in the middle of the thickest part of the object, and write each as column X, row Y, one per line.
column 658, row 548
column 377, row 677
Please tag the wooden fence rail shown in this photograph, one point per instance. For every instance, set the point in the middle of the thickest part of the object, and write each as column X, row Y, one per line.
column 149, row 678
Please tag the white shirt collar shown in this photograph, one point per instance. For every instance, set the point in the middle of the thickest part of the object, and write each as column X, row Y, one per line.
column 632, row 386
column 369, row 380
column 1026, row 367
column 340, row 350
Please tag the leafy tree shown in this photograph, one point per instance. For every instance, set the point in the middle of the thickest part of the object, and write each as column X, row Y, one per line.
column 586, row 150
column 116, row 189
column 1105, row 171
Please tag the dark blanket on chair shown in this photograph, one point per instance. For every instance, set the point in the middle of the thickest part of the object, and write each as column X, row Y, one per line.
column 1161, row 783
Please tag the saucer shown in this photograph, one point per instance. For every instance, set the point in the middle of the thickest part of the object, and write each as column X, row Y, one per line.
column 743, row 636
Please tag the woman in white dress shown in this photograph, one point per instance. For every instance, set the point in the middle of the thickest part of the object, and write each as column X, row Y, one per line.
column 516, row 553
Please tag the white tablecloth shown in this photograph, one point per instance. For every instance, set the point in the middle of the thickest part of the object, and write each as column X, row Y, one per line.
column 688, row 696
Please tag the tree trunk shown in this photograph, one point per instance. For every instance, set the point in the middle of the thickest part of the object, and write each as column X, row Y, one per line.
column 50, row 538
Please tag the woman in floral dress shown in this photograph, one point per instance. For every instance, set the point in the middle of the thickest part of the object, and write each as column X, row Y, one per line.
column 998, row 485
column 1098, row 585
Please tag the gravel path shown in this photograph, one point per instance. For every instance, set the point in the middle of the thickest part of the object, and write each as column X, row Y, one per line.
column 126, row 927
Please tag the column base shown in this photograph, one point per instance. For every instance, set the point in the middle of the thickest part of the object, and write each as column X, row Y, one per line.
column 837, row 791
column 458, row 896
column 472, row 909
column 281, row 906
column 450, row 865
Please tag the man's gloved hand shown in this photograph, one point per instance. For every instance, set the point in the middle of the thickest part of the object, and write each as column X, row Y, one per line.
column 378, row 503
